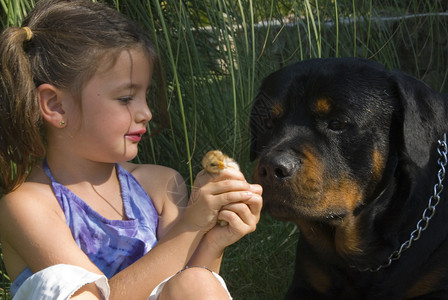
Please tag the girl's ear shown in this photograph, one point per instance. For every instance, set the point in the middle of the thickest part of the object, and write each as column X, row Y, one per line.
column 50, row 100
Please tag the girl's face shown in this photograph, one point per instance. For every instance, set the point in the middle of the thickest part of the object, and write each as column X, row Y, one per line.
column 114, row 111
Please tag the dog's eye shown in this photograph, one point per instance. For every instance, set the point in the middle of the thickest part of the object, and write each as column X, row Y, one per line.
column 268, row 123
column 337, row 125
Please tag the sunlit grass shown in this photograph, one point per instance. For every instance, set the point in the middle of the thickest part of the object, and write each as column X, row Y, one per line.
column 12, row 12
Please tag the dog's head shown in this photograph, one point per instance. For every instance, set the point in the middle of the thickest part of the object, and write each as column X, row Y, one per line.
column 328, row 134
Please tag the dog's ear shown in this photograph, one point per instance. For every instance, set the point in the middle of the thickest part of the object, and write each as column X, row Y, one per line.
column 423, row 114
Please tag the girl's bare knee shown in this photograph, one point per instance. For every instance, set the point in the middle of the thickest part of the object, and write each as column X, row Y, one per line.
column 194, row 283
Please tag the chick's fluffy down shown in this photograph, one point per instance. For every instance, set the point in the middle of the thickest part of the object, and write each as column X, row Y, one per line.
column 214, row 162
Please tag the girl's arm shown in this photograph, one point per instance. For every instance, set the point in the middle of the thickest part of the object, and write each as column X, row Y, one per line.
column 167, row 190
column 183, row 225
column 242, row 219
column 33, row 227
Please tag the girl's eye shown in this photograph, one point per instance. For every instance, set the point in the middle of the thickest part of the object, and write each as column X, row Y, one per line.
column 125, row 100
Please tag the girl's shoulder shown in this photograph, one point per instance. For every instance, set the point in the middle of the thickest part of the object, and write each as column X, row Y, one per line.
column 148, row 174
column 33, row 229
column 158, row 181
column 35, row 194
column 139, row 169
column 36, row 187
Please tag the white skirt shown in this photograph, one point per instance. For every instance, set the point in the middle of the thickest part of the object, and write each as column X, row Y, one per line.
column 60, row 282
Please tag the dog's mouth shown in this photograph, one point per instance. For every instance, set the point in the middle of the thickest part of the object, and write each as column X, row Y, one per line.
column 288, row 209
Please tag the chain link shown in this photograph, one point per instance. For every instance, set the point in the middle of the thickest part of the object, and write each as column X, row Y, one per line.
column 428, row 213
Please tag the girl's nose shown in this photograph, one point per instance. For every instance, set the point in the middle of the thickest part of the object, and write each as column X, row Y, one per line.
column 143, row 113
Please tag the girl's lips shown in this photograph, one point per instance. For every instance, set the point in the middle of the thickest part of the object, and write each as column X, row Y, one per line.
column 135, row 136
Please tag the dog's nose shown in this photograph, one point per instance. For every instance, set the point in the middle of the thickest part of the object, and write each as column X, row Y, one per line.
column 278, row 167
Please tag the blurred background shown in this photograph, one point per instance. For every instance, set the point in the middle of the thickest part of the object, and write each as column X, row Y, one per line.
column 215, row 54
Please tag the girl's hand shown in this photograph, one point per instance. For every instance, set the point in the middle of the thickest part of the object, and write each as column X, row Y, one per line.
column 242, row 218
column 240, row 215
column 210, row 194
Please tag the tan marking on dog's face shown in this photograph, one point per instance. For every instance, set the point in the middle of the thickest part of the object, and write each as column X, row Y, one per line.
column 379, row 162
column 343, row 192
column 327, row 197
column 337, row 195
column 348, row 237
column 323, row 106
column 318, row 194
column 277, row 110
column 310, row 177
column 318, row 279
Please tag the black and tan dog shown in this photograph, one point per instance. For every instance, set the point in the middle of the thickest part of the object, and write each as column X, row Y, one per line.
column 353, row 154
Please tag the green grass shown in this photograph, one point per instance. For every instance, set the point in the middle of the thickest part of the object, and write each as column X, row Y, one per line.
column 260, row 266
column 4, row 279
column 215, row 55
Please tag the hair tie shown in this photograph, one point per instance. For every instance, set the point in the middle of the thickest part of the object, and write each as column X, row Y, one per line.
column 29, row 33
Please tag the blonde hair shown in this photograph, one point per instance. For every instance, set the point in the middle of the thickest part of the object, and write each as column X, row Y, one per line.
column 61, row 43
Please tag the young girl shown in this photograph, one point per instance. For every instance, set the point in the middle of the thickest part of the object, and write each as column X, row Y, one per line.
column 73, row 85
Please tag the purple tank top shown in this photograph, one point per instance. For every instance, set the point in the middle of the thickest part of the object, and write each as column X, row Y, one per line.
column 111, row 245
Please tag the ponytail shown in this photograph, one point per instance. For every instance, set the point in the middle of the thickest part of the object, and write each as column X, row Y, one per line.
column 20, row 123
column 62, row 43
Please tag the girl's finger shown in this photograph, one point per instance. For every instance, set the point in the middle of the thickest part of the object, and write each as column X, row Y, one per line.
column 232, row 197
column 236, row 223
column 228, row 174
column 243, row 211
column 256, row 188
column 255, row 204
column 217, row 200
column 226, row 186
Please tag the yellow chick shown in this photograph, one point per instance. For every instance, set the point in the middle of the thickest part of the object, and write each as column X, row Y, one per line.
column 214, row 162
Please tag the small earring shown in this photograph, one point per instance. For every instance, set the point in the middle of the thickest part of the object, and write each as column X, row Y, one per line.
column 62, row 123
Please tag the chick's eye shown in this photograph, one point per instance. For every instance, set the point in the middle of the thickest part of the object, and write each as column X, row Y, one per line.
column 337, row 125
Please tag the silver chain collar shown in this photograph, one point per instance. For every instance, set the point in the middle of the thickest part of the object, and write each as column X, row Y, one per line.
column 428, row 213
